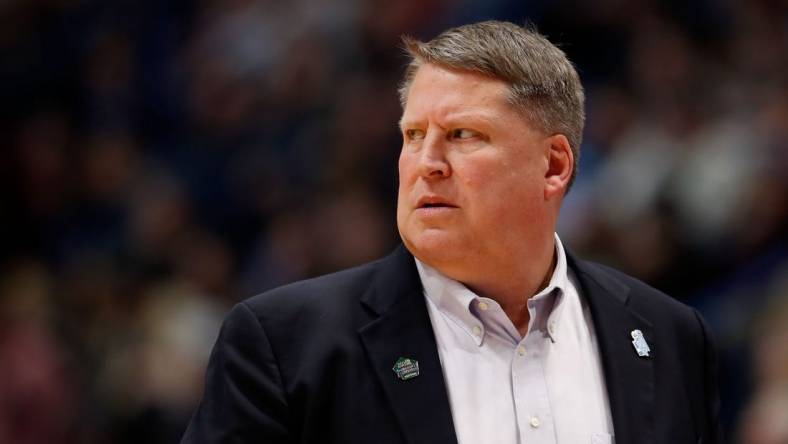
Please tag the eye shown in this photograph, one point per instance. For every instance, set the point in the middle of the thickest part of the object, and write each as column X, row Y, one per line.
column 463, row 133
column 414, row 134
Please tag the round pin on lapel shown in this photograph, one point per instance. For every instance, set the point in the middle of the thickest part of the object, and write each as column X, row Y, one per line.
column 406, row 368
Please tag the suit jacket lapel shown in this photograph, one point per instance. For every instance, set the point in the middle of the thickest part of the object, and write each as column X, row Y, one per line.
column 629, row 377
column 421, row 404
column 403, row 330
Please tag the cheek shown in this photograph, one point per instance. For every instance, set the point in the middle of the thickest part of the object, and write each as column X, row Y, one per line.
column 501, row 188
column 405, row 183
column 406, row 166
column 483, row 176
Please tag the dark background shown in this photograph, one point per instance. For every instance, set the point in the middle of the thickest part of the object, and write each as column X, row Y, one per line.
column 163, row 160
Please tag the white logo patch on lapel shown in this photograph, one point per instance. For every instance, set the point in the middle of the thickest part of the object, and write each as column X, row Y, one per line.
column 640, row 344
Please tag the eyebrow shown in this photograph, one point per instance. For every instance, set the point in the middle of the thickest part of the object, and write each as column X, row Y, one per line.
column 401, row 123
column 484, row 118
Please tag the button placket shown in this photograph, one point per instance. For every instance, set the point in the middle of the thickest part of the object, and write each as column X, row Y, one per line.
column 532, row 403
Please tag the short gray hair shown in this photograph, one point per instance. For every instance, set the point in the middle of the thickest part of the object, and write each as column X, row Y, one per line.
column 542, row 81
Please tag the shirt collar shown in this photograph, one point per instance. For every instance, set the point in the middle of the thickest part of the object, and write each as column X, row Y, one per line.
column 545, row 306
column 454, row 299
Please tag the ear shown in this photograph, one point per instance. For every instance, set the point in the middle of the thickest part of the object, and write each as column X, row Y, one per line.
column 561, row 164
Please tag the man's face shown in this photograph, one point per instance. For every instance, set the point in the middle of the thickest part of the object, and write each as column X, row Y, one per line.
column 471, row 172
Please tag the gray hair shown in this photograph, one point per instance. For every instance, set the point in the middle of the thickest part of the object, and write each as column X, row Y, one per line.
column 543, row 83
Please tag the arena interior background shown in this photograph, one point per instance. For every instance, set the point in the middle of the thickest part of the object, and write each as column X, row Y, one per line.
column 163, row 160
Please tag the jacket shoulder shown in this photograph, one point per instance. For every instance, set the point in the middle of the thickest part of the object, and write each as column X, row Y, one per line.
column 641, row 296
column 321, row 301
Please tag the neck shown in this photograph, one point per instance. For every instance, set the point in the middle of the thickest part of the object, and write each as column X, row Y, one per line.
column 512, row 282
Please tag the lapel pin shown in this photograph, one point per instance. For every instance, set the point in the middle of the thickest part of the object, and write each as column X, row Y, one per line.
column 406, row 368
column 641, row 346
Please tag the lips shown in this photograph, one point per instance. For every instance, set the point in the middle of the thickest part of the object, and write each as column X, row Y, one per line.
column 434, row 202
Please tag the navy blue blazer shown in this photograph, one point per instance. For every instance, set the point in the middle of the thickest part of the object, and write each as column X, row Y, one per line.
column 311, row 362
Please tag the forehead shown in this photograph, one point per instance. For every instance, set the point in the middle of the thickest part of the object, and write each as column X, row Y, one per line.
column 442, row 91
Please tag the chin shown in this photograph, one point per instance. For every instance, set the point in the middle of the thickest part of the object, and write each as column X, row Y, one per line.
column 434, row 247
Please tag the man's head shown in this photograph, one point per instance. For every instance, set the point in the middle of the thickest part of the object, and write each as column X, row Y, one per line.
column 492, row 117
column 543, row 84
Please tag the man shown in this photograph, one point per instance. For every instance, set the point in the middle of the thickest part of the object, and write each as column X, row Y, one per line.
column 482, row 328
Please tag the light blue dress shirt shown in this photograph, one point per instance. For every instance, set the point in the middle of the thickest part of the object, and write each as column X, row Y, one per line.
column 545, row 387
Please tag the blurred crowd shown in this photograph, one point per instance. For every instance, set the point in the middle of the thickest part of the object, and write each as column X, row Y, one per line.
column 163, row 160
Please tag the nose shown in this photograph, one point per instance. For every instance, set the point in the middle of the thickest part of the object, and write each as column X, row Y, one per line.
column 433, row 163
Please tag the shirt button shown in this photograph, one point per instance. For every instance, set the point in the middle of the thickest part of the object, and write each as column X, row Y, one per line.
column 483, row 306
column 551, row 328
column 534, row 422
column 521, row 350
column 477, row 331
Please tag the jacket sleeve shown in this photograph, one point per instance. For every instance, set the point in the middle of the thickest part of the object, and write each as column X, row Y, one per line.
column 244, row 399
column 712, row 433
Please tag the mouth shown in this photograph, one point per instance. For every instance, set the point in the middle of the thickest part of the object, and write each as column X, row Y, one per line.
column 434, row 202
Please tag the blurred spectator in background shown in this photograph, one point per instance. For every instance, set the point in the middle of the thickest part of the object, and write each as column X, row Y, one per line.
column 164, row 159
column 765, row 419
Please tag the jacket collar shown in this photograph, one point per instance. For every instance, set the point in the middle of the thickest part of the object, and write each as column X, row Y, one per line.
column 629, row 377
column 403, row 330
